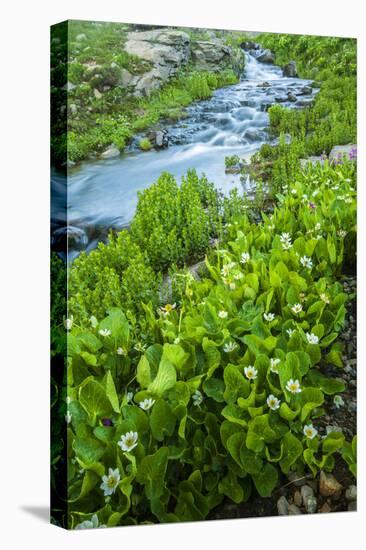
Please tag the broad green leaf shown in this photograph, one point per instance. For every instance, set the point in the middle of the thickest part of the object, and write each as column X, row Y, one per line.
column 214, row 388
column 93, row 399
column 292, row 450
column 151, row 472
column 110, row 389
column 266, row 480
column 259, row 433
column 88, row 450
column 164, row 380
column 143, row 374
column 162, row 420
column 235, row 384
column 230, row 487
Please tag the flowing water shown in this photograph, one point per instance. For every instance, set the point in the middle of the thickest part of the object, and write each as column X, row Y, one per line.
column 103, row 194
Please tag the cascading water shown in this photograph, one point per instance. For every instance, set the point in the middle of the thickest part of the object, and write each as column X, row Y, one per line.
column 103, row 194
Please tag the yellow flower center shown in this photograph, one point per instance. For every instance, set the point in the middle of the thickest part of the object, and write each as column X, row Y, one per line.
column 111, row 481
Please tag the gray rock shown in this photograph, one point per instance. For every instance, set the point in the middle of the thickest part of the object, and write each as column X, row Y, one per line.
column 306, row 90
column 74, row 237
column 291, row 97
column 126, row 78
column 97, row 93
column 158, row 138
column 73, row 108
column 252, row 135
column 216, row 56
column 340, row 151
column 351, row 493
column 290, row 70
column 264, row 85
column 311, row 504
column 297, row 498
column 69, row 86
column 294, row 510
column 266, row 56
column 306, row 492
column 311, row 160
column 111, row 152
column 81, row 37
column 282, row 506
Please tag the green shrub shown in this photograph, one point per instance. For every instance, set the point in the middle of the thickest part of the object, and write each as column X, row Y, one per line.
column 145, row 144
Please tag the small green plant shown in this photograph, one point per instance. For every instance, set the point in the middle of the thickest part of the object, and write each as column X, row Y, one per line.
column 349, row 455
column 231, row 161
column 145, row 144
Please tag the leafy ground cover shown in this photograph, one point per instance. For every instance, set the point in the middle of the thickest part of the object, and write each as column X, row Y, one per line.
column 218, row 394
column 330, row 121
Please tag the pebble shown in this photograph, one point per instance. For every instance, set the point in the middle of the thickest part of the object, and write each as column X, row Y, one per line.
column 306, row 492
column 297, row 498
column 329, row 486
column 293, row 510
column 311, row 505
column 351, row 493
column 282, row 506
column 325, row 509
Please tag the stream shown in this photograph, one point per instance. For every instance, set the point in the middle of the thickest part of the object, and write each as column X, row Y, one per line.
column 102, row 194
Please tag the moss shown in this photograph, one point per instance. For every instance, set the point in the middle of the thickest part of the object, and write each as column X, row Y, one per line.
column 145, row 144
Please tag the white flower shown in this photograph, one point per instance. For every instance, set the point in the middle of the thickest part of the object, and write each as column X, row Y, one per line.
column 286, row 241
column 325, row 298
column 245, row 257
column 293, row 386
column 232, row 286
column 128, row 441
column 168, row 308
column 140, row 347
column 348, row 200
column 296, row 308
column 225, row 271
column 338, row 401
column 317, row 227
column 121, row 351
column 306, row 262
column 290, row 332
column 316, row 193
column 302, row 297
column 197, row 398
column 146, row 404
column 269, row 316
column 312, row 338
column 271, row 227
column 293, row 191
column 68, row 417
column 93, row 321
column 341, row 233
column 250, row 372
column 92, row 523
column 110, row 482
column 68, row 400
column 69, row 322
column 177, row 340
column 273, row 403
column 105, row 332
column 238, row 276
column 310, row 431
column 222, row 314
column 274, row 364
column 230, row 346
column 129, row 396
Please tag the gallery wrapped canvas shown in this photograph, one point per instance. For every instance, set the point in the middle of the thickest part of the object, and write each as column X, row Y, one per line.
column 203, row 281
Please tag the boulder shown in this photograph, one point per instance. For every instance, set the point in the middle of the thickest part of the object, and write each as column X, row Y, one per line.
column 339, row 152
column 216, row 56
column 161, row 47
column 290, row 70
column 111, row 152
column 158, row 139
column 291, row 97
column 126, row 78
column 264, row 85
column 311, row 160
column 306, row 90
column 266, row 56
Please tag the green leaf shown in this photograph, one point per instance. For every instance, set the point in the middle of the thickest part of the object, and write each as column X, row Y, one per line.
column 111, row 392
column 93, row 399
column 266, row 480
column 259, row 433
column 164, row 380
column 292, row 450
column 235, row 384
column 214, row 388
column 234, row 414
column 175, row 355
column 234, row 444
column 89, row 358
column 311, row 398
column 333, row 442
column 88, row 450
column 90, row 341
column 287, row 413
column 328, row 385
column 230, row 487
column 151, row 472
column 162, row 420
column 117, row 323
column 143, row 374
